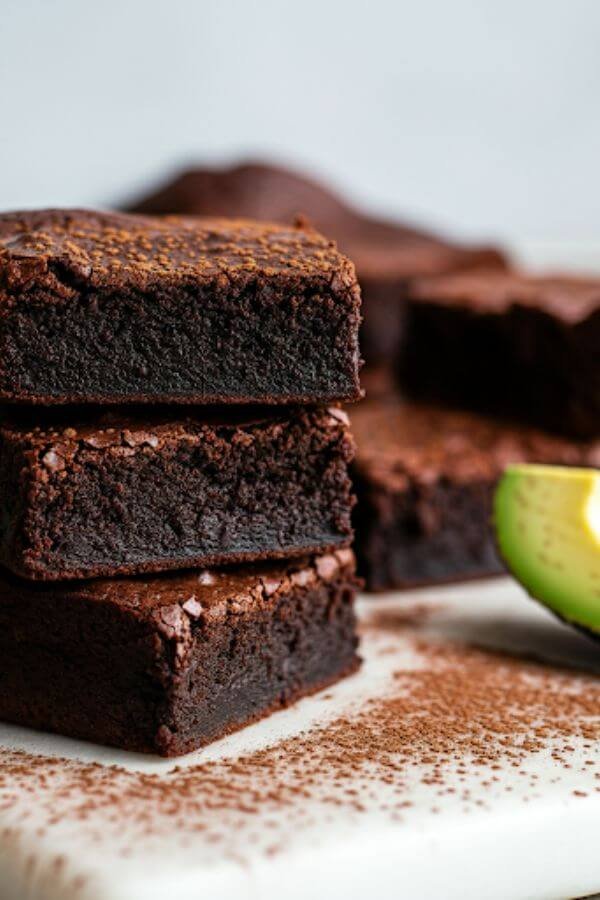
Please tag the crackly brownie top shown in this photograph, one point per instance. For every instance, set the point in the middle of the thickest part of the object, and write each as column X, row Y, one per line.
column 569, row 298
column 172, row 602
column 60, row 248
column 380, row 249
column 56, row 439
column 401, row 443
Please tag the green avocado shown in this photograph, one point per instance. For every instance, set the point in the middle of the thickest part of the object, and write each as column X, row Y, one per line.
column 547, row 521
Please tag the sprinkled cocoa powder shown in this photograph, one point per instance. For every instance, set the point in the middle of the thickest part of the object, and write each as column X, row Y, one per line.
column 399, row 618
column 461, row 712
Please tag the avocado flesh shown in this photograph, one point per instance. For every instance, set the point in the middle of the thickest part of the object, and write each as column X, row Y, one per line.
column 547, row 521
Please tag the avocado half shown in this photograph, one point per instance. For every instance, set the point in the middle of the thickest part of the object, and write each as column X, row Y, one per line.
column 547, row 521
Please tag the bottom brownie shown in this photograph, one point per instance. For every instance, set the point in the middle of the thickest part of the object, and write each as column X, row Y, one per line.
column 168, row 664
column 424, row 478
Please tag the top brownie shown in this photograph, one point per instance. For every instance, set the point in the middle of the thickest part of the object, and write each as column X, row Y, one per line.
column 510, row 344
column 106, row 307
column 387, row 254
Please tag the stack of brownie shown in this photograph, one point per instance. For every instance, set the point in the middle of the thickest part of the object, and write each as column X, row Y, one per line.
column 176, row 505
column 499, row 368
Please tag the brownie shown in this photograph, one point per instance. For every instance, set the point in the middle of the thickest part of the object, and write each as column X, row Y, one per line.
column 115, row 494
column 168, row 664
column 425, row 477
column 105, row 307
column 387, row 254
column 506, row 343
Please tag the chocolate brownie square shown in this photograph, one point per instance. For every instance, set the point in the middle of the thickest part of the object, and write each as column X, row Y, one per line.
column 168, row 664
column 506, row 343
column 387, row 254
column 118, row 494
column 109, row 308
column 425, row 477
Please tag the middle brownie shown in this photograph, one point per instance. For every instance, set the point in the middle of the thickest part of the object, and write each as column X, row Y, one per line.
column 120, row 495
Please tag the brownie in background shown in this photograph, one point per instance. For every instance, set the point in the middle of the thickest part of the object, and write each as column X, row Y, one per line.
column 424, row 479
column 510, row 344
column 387, row 254
column 108, row 308
column 168, row 664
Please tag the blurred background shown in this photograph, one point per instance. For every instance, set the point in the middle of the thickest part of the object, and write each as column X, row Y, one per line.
column 478, row 117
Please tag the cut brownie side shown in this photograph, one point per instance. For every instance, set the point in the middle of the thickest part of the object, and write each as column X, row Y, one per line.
column 99, row 307
column 386, row 254
column 424, row 478
column 169, row 664
column 504, row 343
column 119, row 495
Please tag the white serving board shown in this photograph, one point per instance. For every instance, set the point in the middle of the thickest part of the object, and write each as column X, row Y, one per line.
column 531, row 834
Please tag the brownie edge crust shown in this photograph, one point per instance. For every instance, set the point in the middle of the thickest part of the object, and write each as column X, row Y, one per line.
column 109, row 308
column 169, row 664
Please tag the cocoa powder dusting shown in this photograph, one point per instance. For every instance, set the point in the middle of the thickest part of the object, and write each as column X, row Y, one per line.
column 463, row 711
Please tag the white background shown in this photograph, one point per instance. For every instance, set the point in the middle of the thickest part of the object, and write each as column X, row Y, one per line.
column 479, row 116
